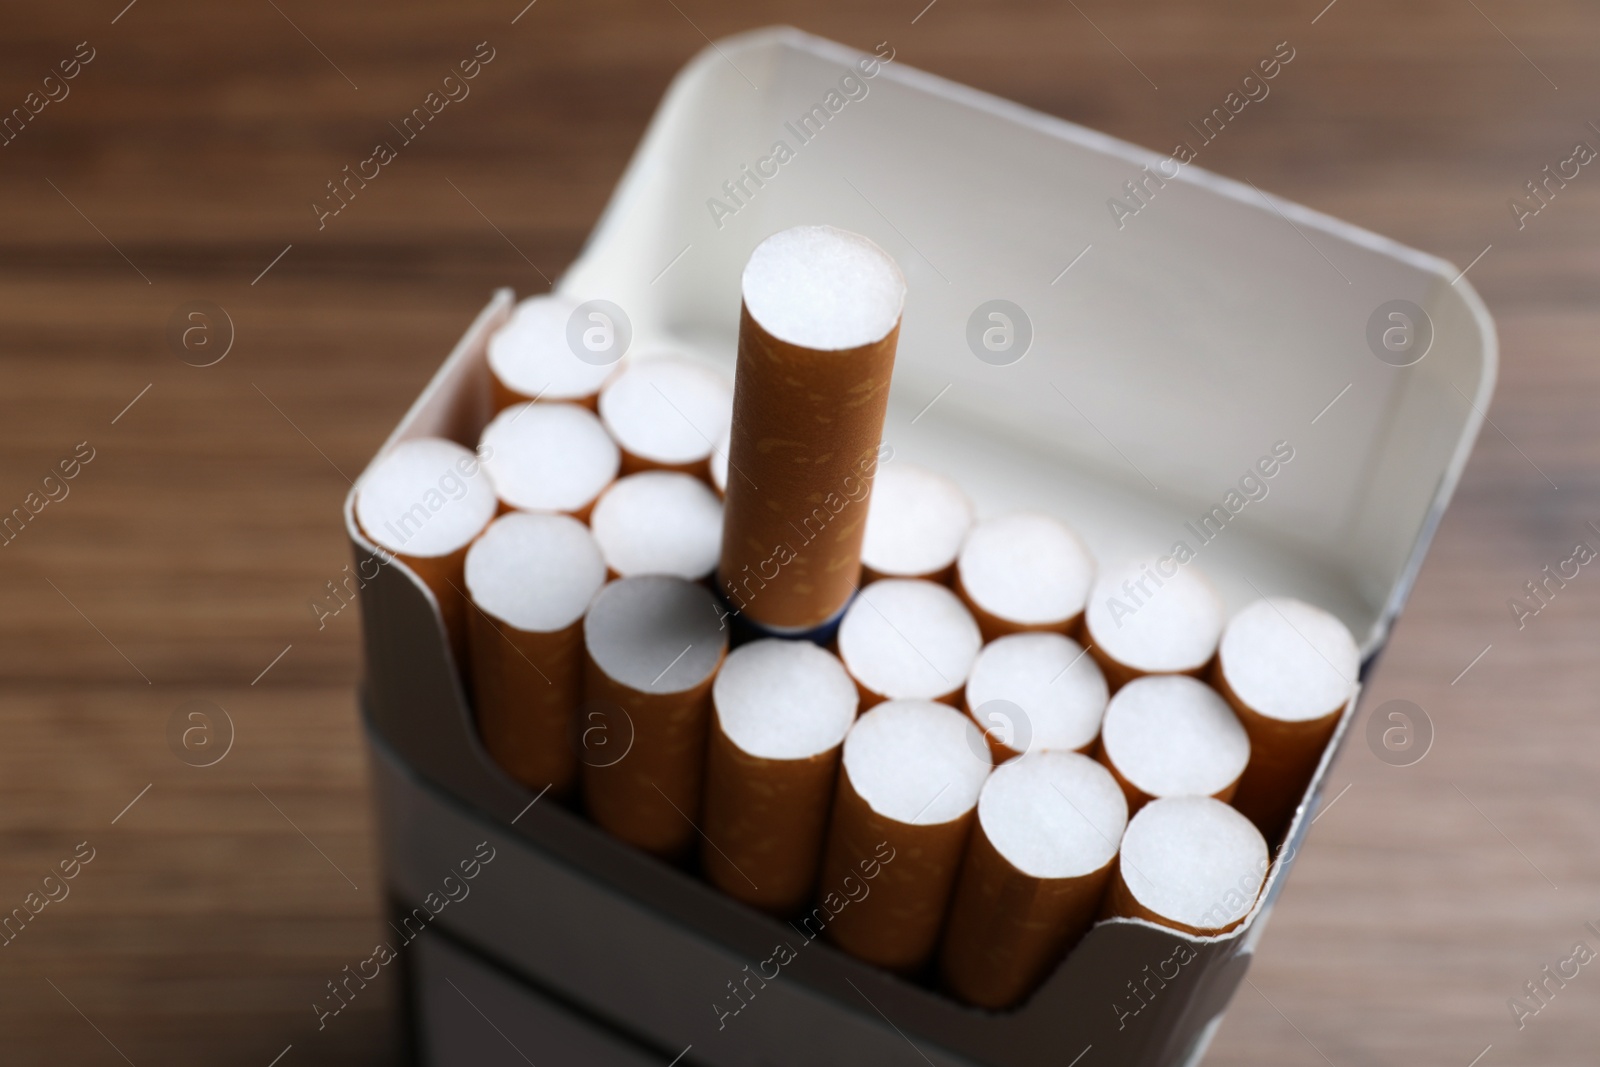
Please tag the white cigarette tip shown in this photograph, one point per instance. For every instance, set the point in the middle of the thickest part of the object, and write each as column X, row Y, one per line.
column 823, row 288
column 531, row 353
column 784, row 700
column 1289, row 660
column 535, row 572
column 426, row 498
column 549, row 457
column 1170, row 735
column 659, row 522
column 1155, row 622
column 908, row 638
column 916, row 761
column 1053, row 814
column 1194, row 860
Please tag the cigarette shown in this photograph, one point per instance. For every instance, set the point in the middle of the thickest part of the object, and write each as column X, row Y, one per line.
column 531, row 358
column 1031, row 692
column 719, row 461
column 817, row 335
column 782, row 710
column 652, row 646
column 1022, row 572
column 548, row 457
column 915, row 526
column 666, row 412
column 1037, row 866
column 425, row 502
column 659, row 522
column 530, row 578
column 1190, row 863
column 1288, row 669
column 1140, row 621
column 1168, row 735
column 908, row 639
column 912, row 770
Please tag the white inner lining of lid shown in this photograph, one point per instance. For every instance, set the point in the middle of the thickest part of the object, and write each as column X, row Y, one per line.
column 1053, row 814
column 784, row 700
column 1059, row 689
column 916, row 521
column 907, row 638
column 1171, row 735
column 530, row 353
column 655, row 633
column 667, row 409
column 1194, row 860
column 1026, row 568
column 549, row 457
column 418, row 500
column 535, row 572
column 659, row 522
column 823, row 288
column 1289, row 660
column 916, row 761
column 1171, row 626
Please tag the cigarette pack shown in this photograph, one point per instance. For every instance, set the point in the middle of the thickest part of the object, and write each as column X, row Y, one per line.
column 1183, row 367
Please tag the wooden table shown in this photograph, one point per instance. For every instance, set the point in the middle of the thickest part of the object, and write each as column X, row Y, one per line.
column 181, row 166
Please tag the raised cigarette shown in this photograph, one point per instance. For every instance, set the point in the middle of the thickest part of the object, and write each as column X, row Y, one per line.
column 908, row 639
column 916, row 524
column 1038, row 863
column 1168, row 735
column 817, row 335
column 1143, row 620
column 659, row 522
column 532, row 358
column 1033, row 692
column 719, row 461
column 1288, row 669
column 530, row 578
column 549, row 457
column 425, row 501
column 782, row 710
column 653, row 645
column 1024, row 572
column 666, row 412
column 1191, row 863
column 912, row 770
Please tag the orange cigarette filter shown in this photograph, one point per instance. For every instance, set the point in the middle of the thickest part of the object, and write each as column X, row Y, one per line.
column 533, row 356
column 1144, row 619
column 424, row 502
column 1033, row 692
column 530, row 578
column 549, row 457
column 915, row 526
column 1289, row 669
column 908, row 639
column 817, row 335
column 1168, row 735
column 1048, row 828
column 782, row 710
column 911, row 773
column 1191, row 863
column 653, row 645
column 667, row 412
column 1024, row 571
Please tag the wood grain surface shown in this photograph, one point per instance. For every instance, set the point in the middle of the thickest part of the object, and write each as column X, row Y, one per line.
column 182, row 163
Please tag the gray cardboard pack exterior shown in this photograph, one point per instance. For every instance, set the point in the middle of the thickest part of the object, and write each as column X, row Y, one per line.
column 1148, row 356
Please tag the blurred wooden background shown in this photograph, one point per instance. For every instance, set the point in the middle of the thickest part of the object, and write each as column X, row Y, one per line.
column 183, row 163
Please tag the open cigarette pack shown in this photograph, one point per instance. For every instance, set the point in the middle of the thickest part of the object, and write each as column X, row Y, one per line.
column 961, row 688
